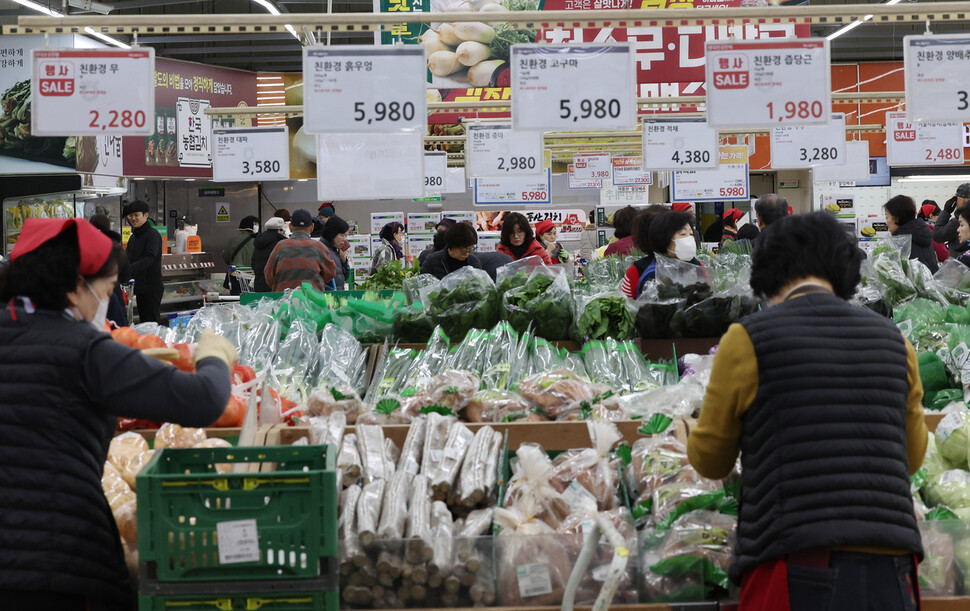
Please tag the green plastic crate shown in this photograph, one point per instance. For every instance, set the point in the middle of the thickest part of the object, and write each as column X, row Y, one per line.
column 276, row 601
column 182, row 499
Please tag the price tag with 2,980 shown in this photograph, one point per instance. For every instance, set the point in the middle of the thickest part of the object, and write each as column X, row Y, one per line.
column 768, row 84
column 495, row 149
column 681, row 144
column 247, row 154
column 93, row 92
column 937, row 77
column 364, row 89
column 573, row 87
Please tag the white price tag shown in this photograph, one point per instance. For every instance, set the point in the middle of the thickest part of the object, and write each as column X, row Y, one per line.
column 435, row 169
column 805, row 147
column 681, row 144
column 629, row 171
column 578, row 497
column 576, row 183
column 937, row 72
column 495, row 149
column 728, row 182
column 533, row 580
column 370, row 166
column 238, row 541
column 856, row 166
column 251, row 153
column 513, row 190
column 455, row 181
column 765, row 84
column 348, row 88
column 572, row 87
column 92, row 92
column 909, row 144
column 592, row 166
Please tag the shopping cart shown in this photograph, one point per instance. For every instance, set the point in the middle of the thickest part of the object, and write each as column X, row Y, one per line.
column 245, row 276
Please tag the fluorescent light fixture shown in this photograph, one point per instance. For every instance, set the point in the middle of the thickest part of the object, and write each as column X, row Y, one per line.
column 272, row 10
column 105, row 38
column 40, row 8
column 856, row 23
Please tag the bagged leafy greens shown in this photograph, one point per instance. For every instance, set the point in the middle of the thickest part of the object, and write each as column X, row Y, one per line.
column 539, row 298
column 464, row 300
column 604, row 315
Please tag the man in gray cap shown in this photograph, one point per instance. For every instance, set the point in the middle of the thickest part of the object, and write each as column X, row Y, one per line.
column 945, row 230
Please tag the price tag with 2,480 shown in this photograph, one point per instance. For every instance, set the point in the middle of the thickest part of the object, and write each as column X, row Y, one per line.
column 364, row 89
column 495, row 149
column 573, row 87
column 88, row 92
column 249, row 154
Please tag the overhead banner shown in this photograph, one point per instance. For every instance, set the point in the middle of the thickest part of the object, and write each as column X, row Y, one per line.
column 570, row 223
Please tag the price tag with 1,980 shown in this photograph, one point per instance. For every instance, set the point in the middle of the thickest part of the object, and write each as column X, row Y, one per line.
column 364, row 89
column 495, row 149
column 679, row 144
column 937, row 77
column 251, row 154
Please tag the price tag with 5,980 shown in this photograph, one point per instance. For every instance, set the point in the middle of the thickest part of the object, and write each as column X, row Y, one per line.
column 245, row 154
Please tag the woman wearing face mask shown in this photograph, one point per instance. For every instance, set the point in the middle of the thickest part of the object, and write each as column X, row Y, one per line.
column 392, row 238
column 546, row 234
column 518, row 241
column 672, row 235
column 63, row 383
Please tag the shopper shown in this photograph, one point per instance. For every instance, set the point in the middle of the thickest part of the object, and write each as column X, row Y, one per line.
column 901, row 219
column 644, row 269
column 460, row 241
column 518, row 241
column 63, row 384
column 672, row 235
column 239, row 251
column 334, row 237
column 438, row 243
column 829, row 430
column 770, row 208
column 729, row 233
column 929, row 212
column 392, row 239
column 491, row 261
column 945, row 229
column 622, row 231
column 546, row 232
column 117, row 310
column 299, row 259
column 963, row 234
column 145, row 255
column 689, row 209
column 284, row 214
column 274, row 232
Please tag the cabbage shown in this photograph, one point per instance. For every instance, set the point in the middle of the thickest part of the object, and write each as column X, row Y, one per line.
column 961, row 553
column 950, row 488
column 951, row 437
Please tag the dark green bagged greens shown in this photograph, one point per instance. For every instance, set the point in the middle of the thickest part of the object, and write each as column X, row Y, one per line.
column 543, row 302
column 464, row 300
column 605, row 316
column 413, row 325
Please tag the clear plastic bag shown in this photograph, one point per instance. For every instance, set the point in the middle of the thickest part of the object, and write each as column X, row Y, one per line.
column 500, row 358
column 414, row 286
column 294, row 363
column 341, row 360
column 336, row 400
column 464, row 300
column 557, row 392
column 536, row 297
column 390, row 374
column 711, row 317
column 588, row 478
column 607, row 273
column 953, row 280
column 545, row 356
column 498, row 406
column 603, row 315
column 658, row 318
column 451, row 390
column 530, row 490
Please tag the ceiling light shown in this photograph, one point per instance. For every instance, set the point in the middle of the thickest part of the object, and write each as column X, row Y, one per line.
column 856, row 23
column 105, row 38
column 40, row 8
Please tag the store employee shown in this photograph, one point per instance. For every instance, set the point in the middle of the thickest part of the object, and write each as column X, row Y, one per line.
column 145, row 255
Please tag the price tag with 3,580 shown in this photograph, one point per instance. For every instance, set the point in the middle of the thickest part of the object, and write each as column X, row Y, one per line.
column 93, row 92
column 768, row 84
column 364, row 89
column 495, row 149
column 937, row 77
column 251, row 154
column 573, row 87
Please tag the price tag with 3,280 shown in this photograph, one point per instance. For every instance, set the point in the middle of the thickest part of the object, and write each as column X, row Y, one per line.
column 573, row 87
column 495, row 149
column 768, row 84
column 805, row 147
column 679, row 144
column 248, row 154
column 88, row 92
column 364, row 89
column 937, row 77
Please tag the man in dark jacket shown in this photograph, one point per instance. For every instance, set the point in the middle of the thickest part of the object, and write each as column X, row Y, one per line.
column 901, row 219
column 334, row 237
column 299, row 258
column 145, row 255
column 945, row 231
column 263, row 245
column 460, row 241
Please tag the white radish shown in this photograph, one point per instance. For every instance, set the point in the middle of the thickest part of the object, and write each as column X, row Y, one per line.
column 432, row 42
column 480, row 75
column 492, row 7
column 447, row 35
column 461, row 76
column 443, row 63
column 475, row 31
column 470, row 53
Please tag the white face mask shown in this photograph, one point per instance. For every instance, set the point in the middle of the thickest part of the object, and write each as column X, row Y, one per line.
column 685, row 249
column 256, row 228
column 101, row 315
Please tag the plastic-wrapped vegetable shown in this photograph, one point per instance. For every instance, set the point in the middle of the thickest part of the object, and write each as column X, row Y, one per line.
column 451, row 390
column 545, row 356
column 498, row 406
column 464, row 300
column 659, row 318
column 605, row 315
column 936, row 571
column 428, row 363
column 414, row 285
column 538, row 297
column 390, row 374
column 341, row 360
column 534, row 564
column 470, row 354
column 918, row 318
column 335, row 400
column 412, row 324
column 953, row 438
column 530, row 489
column 556, row 392
column 500, row 358
column 607, row 273
column 590, row 475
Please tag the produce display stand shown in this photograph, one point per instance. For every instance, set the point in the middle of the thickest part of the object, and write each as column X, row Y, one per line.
column 248, row 298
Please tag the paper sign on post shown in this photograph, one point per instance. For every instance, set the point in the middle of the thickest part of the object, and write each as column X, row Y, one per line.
column 370, row 166
column 513, row 190
column 349, row 88
column 93, row 92
column 576, row 183
column 856, row 165
column 728, row 182
column 572, row 87
column 682, row 144
column 435, row 169
column 251, row 153
column 937, row 77
column 629, row 171
column 495, row 149
column 914, row 144
column 766, row 84
column 592, row 166
column 805, row 147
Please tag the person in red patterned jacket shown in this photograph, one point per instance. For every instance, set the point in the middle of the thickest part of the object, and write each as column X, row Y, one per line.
column 299, row 259
column 518, row 240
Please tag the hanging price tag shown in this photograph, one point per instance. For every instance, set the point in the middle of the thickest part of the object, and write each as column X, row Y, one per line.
column 766, row 84
column 572, row 87
column 370, row 166
column 728, row 182
column 629, row 171
column 805, row 147
column 92, row 92
column 856, row 166
column 914, row 144
column 495, row 149
column 592, row 166
column 937, row 72
column 576, row 183
column 435, row 169
column 250, row 154
column 513, row 190
column 682, row 144
column 364, row 89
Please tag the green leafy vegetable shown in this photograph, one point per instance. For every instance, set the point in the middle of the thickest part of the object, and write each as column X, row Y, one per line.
column 337, row 395
column 606, row 317
column 539, row 301
column 390, row 276
column 387, row 406
column 437, row 409
column 657, row 424
column 468, row 301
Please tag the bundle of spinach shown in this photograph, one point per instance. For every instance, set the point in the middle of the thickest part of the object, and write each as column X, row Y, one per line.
column 606, row 316
column 464, row 300
column 390, row 276
column 661, row 319
column 412, row 325
column 541, row 301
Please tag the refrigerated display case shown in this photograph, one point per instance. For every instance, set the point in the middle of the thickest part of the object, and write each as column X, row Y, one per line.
column 16, row 210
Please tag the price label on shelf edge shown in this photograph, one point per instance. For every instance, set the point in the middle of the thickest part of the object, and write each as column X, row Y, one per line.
column 349, row 88
column 917, row 144
column 629, row 171
column 573, row 87
column 592, row 166
column 937, row 76
column 246, row 154
column 729, row 181
column 495, row 149
column 370, row 166
column 679, row 144
column 575, row 183
column 92, row 92
column 805, row 147
column 435, row 170
column 513, row 190
column 762, row 84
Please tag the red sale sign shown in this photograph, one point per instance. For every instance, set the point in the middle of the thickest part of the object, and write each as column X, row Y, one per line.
column 57, row 79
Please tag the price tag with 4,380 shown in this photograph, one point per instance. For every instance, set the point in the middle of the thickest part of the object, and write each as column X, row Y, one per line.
column 495, row 149
column 679, row 144
column 937, row 77
column 251, row 154
column 573, row 87
column 364, row 89
column 93, row 92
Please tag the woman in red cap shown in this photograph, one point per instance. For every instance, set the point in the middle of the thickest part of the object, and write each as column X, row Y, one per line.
column 63, row 383
column 731, row 218
column 518, row 241
column 546, row 235
column 929, row 212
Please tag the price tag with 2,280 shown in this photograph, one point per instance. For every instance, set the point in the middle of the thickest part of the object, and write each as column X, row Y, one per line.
column 495, row 149
column 679, row 144
column 573, row 87
column 768, row 84
column 937, row 77
column 247, row 154
column 88, row 92
column 364, row 89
